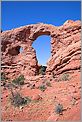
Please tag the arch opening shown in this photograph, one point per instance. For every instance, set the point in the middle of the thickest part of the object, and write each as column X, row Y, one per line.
column 21, row 49
column 42, row 47
column 15, row 50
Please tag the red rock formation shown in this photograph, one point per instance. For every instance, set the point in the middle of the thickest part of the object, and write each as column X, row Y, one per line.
column 65, row 58
column 65, row 47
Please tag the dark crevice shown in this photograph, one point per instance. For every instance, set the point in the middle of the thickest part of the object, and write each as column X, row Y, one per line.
column 66, row 61
column 15, row 50
column 70, row 69
column 41, row 70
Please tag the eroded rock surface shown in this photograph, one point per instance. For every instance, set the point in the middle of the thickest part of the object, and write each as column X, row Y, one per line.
column 65, row 48
column 63, row 71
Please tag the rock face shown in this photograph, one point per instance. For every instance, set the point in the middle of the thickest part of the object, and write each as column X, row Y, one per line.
column 65, row 48
column 62, row 77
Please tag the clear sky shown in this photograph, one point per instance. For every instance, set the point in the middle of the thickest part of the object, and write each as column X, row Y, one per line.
column 16, row 14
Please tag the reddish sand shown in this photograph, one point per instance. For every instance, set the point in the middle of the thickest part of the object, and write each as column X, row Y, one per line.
column 44, row 109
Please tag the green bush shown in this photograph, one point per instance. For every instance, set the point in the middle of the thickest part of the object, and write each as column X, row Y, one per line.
column 42, row 88
column 17, row 100
column 65, row 77
column 19, row 80
column 59, row 109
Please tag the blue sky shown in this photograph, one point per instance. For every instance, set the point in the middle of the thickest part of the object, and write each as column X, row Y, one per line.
column 16, row 14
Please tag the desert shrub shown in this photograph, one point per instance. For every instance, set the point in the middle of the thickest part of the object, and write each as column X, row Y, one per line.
column 19, row 80
column 3, row 77
column 42, row 88
column 65, row 77
column 17, row 100
column 48, row 84
column 10, row 85
column 59, row 109
column 42, row 70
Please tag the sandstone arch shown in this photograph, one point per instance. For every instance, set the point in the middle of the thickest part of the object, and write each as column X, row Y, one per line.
column 62, row 39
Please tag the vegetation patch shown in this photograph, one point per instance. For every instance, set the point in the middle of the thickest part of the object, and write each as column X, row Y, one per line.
column 19, row 80
column 42, row 70
column 64, row 77
column 3, row 77
column 17, row 100
column 42, row 88
column 59, row 109
column 10, row 85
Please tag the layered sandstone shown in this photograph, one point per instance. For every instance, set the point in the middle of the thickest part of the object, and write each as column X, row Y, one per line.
column 65, row 58
column 65, row 48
